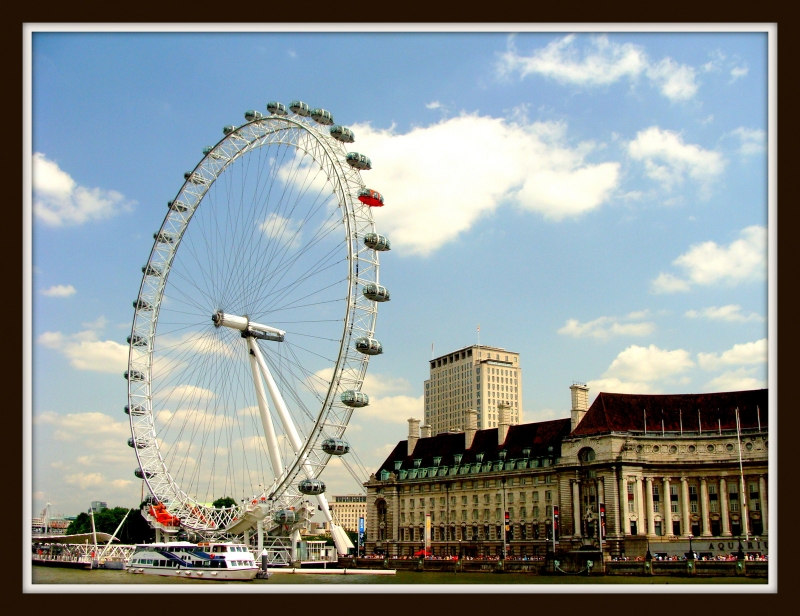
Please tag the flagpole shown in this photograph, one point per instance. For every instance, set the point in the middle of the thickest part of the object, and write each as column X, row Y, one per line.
column 680, row 419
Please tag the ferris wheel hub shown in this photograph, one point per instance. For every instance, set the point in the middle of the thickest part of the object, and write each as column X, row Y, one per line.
column 247, row 327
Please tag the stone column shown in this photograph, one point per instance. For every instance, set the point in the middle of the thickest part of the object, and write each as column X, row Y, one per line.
column 667, row 500
column 623, row 504
column 704, row 506
column 723, row 507
column 651, row 523
column 687, row 521
column 762, row 495
column 576, row 508
column 638, row 498
column 601, row 498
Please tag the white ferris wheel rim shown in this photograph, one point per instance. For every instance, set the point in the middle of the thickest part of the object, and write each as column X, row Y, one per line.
column 349, row 367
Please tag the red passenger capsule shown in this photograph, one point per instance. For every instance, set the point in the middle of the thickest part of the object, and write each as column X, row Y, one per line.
column 370, row 197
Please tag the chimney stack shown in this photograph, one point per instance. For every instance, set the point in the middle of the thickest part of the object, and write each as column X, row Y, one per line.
column 471, row 429
column 580, row 403
column 503, row 422
column 413, row 434
column 425, row 431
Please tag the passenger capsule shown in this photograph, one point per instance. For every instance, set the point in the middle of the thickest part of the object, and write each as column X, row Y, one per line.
column 322, row 116
column 370, row 197
column 276, row 108
column 375, row 292
column 134, row 375
column 136, row 411
column 142, row 304
column 137, row 340
column 139, row 445
column 368, row 346
column 164, row 238
column 252, row 114
column 342, row 133
column 356, row 399
column 377, row 242
column 311, row 486
column 229, row 129
column 152, row 270
column 209, row 151
column 177, row 206
column 142, row 474
column 335, row 446
column 195, row 178
column 285, row 516
column 358, row 161
column 300, row 108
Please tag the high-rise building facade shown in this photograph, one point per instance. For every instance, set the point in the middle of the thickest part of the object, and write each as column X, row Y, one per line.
column 483, row 378
column 347, row 508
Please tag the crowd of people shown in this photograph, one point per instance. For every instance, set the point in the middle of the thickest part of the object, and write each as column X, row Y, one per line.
column 682, row 557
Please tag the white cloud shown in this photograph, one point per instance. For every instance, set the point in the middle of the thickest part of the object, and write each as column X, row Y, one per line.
column 743, row 260
column 86, row 352
column 668, row 160
column 668, row 283
column 676, row 81
column 59, row 290
column 285, row 230
column 392, row 409
column 736, row 380
column 616, row 386
column 741, row 354
column 58, row 200
column 76, row 425
column 85, row 480
column 753, row 140
column 602, row 63
column 185, row 393
column 737, row 72
column 439, row 180
column 603, row 328
column 731, row 312
column 647, row 364
column 434, row 105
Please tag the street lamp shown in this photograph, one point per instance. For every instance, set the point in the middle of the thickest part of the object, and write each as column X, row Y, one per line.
column 691, row 551
column 649, row 556
column 740, row 551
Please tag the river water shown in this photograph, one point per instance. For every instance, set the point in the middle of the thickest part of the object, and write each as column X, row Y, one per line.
column 51, row 575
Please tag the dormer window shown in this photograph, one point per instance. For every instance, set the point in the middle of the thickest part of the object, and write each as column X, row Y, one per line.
column 417, row 462
column 526, row 452
column 437, row 460
column 479, row 457
column 398, row 464
column 502, row 454
column 457, row 457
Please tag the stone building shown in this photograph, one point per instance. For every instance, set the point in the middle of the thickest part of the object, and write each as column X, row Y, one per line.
column 630, row 473
column 476, row 377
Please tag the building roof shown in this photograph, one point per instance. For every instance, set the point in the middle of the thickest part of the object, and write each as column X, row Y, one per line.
column 680, row 412
column 539, row 437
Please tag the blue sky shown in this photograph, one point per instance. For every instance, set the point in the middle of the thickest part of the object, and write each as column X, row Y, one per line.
column 596, row 202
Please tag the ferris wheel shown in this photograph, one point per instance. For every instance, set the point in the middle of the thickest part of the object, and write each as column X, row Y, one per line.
column 255, row 322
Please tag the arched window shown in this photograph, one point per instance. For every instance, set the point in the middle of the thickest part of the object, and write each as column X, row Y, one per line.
column 586, row 455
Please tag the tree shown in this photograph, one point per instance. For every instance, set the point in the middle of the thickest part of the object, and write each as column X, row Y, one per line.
column 225, row 501
column 134, row 530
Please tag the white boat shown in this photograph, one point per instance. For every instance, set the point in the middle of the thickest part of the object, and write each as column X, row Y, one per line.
column 202, row 561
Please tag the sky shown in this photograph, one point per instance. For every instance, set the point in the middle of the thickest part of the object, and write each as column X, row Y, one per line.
column 597, row 202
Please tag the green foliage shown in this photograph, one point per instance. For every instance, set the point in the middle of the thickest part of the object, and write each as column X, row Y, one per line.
column 223, row 502
column 134, row 530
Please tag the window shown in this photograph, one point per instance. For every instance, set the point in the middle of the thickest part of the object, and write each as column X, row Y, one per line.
column 535, row 496
column 474, row 499
column 693, row 506
column 463, row 500
column 548, row 496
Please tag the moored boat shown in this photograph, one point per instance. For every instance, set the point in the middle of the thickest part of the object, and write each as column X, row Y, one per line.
column 203, row 561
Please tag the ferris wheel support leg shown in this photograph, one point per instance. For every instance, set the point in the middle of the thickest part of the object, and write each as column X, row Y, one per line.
column 260, row 530
column 277, row 399
column 295, row 543
column 323, row 506
column 266, row 420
